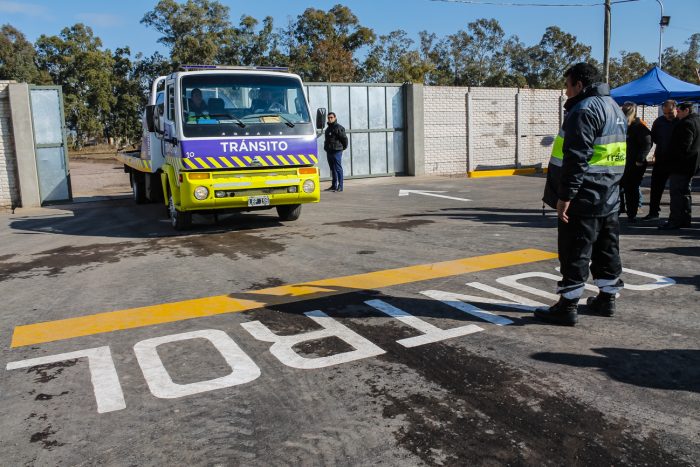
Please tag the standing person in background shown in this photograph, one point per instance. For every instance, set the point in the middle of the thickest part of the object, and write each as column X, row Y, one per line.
column 661, row 136
column 638, row 147
column 335, row 143
column 685, row 157
column 583, row 185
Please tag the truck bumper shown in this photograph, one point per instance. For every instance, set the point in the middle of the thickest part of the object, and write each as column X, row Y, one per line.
column 250, row 189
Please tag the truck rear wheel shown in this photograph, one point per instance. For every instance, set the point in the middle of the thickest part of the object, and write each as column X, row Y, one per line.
column 138, row 186
column 289, row 212
column 180, row 220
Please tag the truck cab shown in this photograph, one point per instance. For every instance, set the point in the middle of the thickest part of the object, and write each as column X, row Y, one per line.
column 222, row 139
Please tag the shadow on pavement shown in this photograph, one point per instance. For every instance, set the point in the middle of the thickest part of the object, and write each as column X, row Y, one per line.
column 121, row 218
column 670, row 369
column 528, row 218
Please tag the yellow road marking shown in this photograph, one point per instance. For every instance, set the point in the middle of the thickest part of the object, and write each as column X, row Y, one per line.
column 501, row 173
column 131, row 318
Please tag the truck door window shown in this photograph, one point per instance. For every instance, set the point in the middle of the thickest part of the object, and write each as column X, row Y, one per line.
column 171, row 103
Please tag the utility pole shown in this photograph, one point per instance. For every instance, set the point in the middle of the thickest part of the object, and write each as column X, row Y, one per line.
column 665, row 20
column 606, row 42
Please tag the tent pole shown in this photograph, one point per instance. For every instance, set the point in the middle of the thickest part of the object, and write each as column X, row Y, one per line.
column 661, row 30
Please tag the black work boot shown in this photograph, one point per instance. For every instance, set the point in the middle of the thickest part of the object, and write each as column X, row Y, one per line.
column 564, row 312
column 603, row 304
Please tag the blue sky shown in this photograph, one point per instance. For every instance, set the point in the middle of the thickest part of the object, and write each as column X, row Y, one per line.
column 634, row 25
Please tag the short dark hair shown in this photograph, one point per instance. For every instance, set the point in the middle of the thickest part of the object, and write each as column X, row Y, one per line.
column 584, row 72
column 332, row 113
column 686, row 106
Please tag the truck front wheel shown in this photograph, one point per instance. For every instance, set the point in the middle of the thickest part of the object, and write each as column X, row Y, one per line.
column 180, row 220
column 289, row 212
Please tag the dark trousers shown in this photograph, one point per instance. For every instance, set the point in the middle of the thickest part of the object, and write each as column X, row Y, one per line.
column 588, row 240
column 335, row 163
column 659, row 177
column 681, row 201
column 631, row 181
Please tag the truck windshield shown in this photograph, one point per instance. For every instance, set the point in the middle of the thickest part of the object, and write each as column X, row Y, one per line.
column 222, row 104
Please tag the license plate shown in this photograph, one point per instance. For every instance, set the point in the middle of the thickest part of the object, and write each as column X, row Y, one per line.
column 259, row 201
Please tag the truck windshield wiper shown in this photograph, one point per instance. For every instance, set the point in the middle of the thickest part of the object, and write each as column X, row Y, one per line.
column 287, row 121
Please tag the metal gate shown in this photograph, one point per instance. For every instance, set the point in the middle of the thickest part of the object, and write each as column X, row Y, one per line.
column 50, row 143
column 373, row 116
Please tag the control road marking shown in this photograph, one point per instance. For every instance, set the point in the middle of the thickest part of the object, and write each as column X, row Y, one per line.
column 131, row 318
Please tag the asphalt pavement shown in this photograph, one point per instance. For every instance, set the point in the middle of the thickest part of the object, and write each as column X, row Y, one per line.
column 390, row 325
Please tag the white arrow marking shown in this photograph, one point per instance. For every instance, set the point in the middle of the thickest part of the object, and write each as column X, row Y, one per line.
column 429, row 193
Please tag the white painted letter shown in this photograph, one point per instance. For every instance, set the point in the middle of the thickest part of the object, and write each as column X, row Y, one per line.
column 243, row 369
column 514, row 281
column 459, row 301
column 430, row 333
column 103, row 374
column 282, row 345
column 659, row 281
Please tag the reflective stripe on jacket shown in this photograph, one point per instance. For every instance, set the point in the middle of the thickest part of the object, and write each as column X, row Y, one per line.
column 588, row 155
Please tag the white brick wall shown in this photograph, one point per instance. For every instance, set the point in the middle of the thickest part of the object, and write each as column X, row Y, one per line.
column 9, row 186
column 494, row 142
column 493, row 119
column 445, row 129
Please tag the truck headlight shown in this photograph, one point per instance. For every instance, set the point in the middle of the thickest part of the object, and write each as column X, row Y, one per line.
column 309, row 186
column 201, row 193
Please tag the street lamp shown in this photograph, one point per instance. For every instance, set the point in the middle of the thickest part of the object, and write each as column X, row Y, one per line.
column 665, row 20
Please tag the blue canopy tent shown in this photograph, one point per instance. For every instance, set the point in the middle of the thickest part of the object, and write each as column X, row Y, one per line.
column 654, row 88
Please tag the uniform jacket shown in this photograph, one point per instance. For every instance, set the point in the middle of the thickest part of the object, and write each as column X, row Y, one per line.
column 685, row 146
column 593, row 125
column 661, row 136
column 336, row 139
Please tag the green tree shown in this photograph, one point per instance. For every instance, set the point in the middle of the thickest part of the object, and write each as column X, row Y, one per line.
column 476, row 53
column 246, row 45
column 17, row 58
column 123, row 123
column 147, row 69
column 684, row 65
column 392, row 59
column 75, row 61
column 193, row 31
column 321, row 45
column 436, row 54
column 627, row 67
column 543, row 65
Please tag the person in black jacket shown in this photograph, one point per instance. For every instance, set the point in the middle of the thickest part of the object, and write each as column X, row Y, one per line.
column 583, row 181
column 638, row 147
column 685, row 150
column 335, row 143
column 661, row 136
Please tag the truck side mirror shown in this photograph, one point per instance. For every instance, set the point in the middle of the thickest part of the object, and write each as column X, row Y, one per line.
column 320, row 118
column 150, row 110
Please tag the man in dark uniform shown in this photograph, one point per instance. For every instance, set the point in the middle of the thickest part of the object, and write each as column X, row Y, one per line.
column 335, row 143
column 196, row 103
column 583, row 185
column 685, row 150
column 661, row 136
